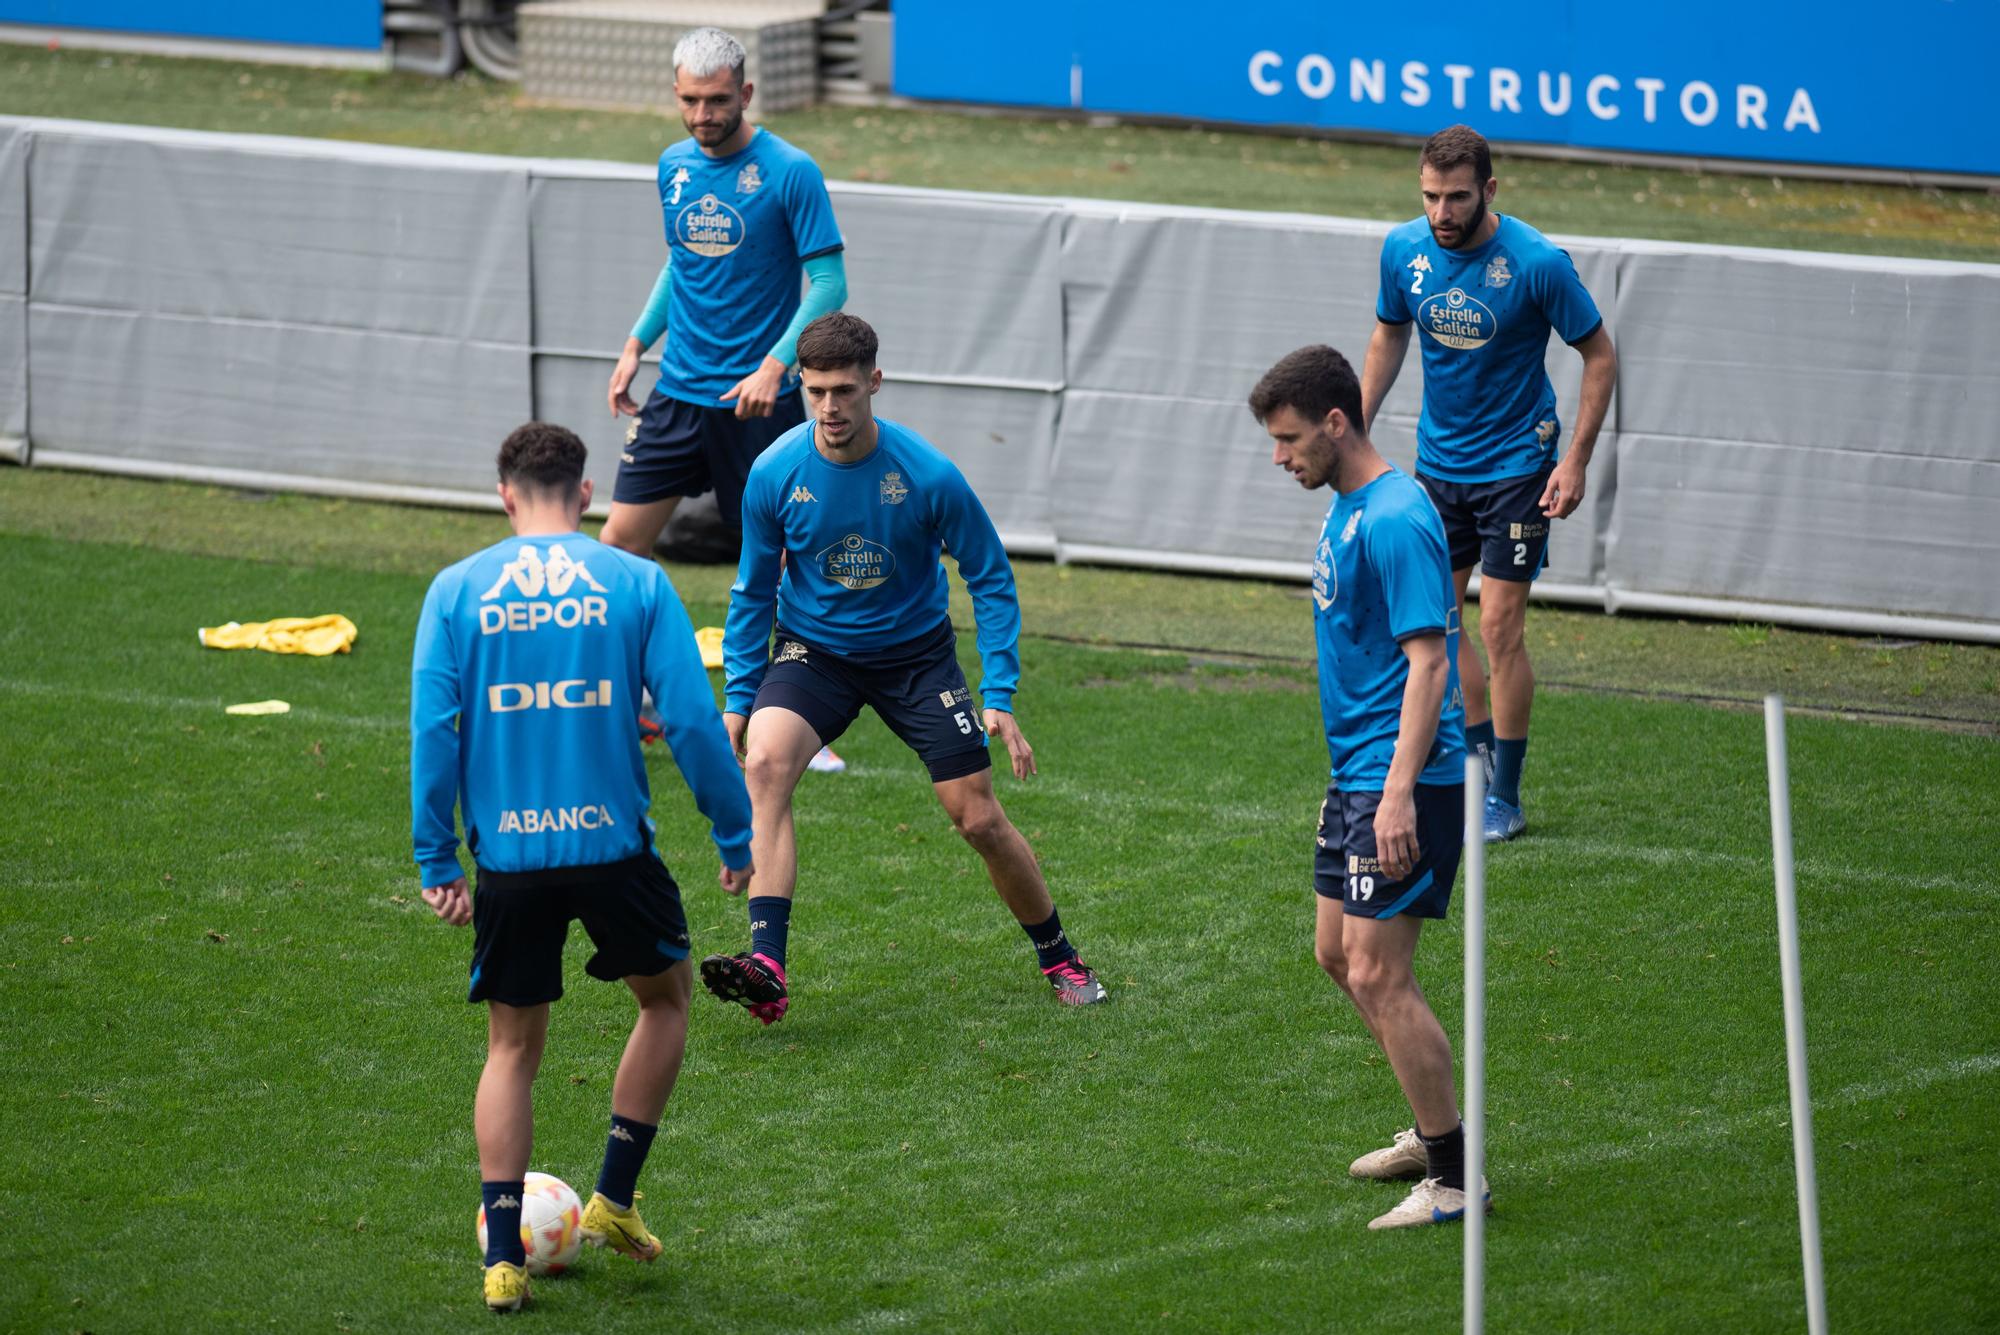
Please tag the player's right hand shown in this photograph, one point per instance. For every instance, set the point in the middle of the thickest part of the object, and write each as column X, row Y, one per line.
column 450, row 901
column 621, row 382
column 735, row 725
column 736, row 880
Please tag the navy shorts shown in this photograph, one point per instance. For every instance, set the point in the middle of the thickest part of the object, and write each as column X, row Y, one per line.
column 917, row 688
column 676, row 448
column 1499, row 524
column 520, row 920
column 1344, row 865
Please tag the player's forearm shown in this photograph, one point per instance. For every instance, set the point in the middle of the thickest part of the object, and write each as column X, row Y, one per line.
column 693, row 731
column 433, row 799
column 1600, row 375
column 1380, row 367
column 826, row 292
column 1423, row 702
column 746, row 628
column 652, row 321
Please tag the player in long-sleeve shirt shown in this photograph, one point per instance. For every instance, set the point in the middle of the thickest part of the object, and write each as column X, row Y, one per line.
column 529, row 661
column 844, row 520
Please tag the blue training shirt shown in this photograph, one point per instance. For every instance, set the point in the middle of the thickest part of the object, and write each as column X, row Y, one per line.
column 848, row 553
column 524, row 707
column 738, row 231
column 1381, row 575
column 1483, row 319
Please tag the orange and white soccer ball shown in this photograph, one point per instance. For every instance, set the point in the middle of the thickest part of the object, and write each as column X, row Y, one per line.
column 551, row 1224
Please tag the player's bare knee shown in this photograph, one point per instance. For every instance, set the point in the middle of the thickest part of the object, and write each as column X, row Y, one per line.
column 769, row 775
column 1334, row 961
column 983, row 825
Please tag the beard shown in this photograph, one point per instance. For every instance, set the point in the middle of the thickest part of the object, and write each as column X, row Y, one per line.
column 710, row 136
column 1467, row 232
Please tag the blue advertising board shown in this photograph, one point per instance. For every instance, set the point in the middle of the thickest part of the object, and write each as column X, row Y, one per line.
column 1866, row 85
column 355, row 24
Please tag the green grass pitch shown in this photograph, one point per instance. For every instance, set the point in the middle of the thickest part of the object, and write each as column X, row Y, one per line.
column 236, row 1086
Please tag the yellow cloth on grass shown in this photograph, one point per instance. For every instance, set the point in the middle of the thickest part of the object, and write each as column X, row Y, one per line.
column 709, row 639
column 318, row 636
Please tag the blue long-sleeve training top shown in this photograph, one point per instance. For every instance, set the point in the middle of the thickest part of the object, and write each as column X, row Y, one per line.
column 524, row 703
column 848, row 554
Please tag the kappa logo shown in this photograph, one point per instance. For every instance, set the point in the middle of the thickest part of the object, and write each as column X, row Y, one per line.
column 631, row 436
column 531, row 573
column 749, row 181
column 800, row 496
column 1421, row 264
column 791, row 651
column 893, row 490
column 680, row 179
column 1545, row 430
column 507, row 1203
column 620, row 1133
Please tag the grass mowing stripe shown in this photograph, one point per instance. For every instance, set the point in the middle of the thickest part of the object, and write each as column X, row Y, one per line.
column 186, row 704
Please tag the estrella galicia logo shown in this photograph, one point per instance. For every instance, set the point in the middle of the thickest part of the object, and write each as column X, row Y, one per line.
column 856, row 563
column 709, row 227
column 1457, row 320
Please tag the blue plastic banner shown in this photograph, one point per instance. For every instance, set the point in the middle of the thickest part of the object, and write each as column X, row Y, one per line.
column 343, row 23
column 1867, row 85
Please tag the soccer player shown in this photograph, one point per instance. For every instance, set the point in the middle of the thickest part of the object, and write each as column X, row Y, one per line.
column 843, row 523
column 1392, row 825
column 1485, row 291
column 529, row 659
column 745, row 214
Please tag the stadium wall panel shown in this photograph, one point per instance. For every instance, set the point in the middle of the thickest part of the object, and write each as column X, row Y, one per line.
column 1788, row 524
column 13, row 379
column 571, row 390
column 283, row 400
column 238, row 227
column 1826, row 352
column 14, row 143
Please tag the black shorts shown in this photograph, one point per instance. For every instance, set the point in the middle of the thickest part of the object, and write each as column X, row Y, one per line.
column 1344, row 865
column 917, row 688
column 1499, row 524
column 676, row 448
column 632, row 910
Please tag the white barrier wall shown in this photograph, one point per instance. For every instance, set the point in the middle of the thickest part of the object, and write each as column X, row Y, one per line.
column 1795, row 437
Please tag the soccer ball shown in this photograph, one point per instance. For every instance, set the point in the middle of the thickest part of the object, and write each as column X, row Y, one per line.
column 551, row 1224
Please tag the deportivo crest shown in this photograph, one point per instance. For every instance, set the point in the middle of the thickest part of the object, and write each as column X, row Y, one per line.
column 749, row 181
column 893, row 490
column 680, row 179
column 791, row 651
column 1497, row 274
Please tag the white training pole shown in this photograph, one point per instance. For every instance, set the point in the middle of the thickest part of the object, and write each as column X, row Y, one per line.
column 1795, row 1010
column 1475, row 1043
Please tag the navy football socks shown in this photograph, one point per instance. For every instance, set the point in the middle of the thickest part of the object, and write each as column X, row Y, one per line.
column 770, row 925
column 503, row 1222
column 1051, row 946
column 1446, row 1154
column 1508, row 755
column 624, row 1155
column 1479, row 740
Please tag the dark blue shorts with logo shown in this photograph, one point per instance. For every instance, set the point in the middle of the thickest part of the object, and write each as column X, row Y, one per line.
column 520, row 920
column 1499, row 524
column 676, row 448
column 1345, row 866
column 917, row 687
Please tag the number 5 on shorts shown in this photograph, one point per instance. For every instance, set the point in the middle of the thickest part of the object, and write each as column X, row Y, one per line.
column 964, row 723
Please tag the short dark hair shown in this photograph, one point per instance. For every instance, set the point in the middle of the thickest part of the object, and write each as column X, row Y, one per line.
column 835, row 340
column 544, row 457
column 1458, row 146
column 1313, row 380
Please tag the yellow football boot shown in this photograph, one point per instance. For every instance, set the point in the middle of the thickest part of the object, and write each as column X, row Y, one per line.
column 506, row 1286
column 606, row 1225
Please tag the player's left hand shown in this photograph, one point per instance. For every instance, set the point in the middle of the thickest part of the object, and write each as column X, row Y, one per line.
column 1000, row 723
column 451, row 901
column 1565, row 490
column 757, row 393
column 1396, row 834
